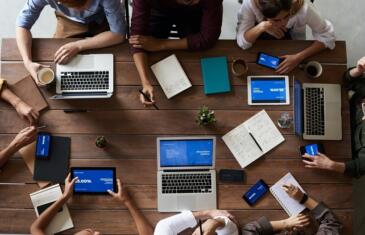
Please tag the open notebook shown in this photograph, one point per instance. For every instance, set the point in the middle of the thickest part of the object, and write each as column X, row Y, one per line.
column 291, row 206
column 253, row 138
column 171, row 76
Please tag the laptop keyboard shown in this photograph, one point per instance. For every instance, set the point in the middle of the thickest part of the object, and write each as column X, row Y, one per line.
column 96, row 80
column 314, row 111
column 187, row 183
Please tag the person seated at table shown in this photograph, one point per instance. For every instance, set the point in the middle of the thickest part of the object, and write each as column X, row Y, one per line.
column 25, row 136
column 354, row 80
column 100, row 22
column 198, row 25
column 325, row 221
column 284, row 19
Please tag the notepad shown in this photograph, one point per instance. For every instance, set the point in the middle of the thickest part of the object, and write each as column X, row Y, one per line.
column 171, row 76
column 44, row 198
column 290, row 205
column 215, row 75
column 253, row 138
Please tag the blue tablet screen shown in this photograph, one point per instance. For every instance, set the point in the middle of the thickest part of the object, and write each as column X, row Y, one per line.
column 268, row 61
column 311, row 149
column 268, row 90
column 93, row 181
column 175, row 153
column 256, row 192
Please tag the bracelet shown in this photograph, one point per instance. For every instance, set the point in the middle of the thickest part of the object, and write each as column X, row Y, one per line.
column 304, row 199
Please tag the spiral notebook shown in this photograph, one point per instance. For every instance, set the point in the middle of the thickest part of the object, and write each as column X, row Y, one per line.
column 291, row 206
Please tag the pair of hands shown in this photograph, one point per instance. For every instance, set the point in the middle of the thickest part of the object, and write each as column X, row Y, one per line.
column 210, row 225
column 62, row 56
column 360, row 68
column 25, row 137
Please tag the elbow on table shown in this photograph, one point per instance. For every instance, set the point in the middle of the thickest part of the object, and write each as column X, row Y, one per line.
column 242, row 42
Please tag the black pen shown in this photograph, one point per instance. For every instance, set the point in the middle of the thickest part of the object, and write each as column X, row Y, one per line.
column 200, row 226
column 148, row 99
column 255, row 141
column 75, row 110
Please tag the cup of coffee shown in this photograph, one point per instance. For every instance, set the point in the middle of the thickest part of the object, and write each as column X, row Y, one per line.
column 313, row 69
column 239, row 68
column 45, row 76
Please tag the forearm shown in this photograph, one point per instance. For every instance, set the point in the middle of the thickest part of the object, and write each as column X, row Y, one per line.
column 10, row 97
column 313, row 49
column 311, row 203
column 6, row 153
column 355, row 73
column 337, row 167
column 279, row 225
column 41, row 223
column 254, row 33
column 142, row 224
column 141, row 62
column 174, row 44
column 24, row 42
column 101, row 40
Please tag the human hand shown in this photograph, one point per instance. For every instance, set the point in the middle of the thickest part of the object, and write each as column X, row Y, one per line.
column 25, row 137
column 147, row 43
column 277, row 31
column 209, row 227
column 147, row 90
column 320, row 161
column 297, row 221
column 27, row 112
column 122, row 194
column 215, row 213
column 293, row 191
column 360, row 68
column 65, row 53
column 69, row 186
column 288, row 64
column 33, row 68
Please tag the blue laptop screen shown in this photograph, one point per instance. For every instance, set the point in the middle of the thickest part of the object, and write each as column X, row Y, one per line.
column 298, row 108
column 268, row 90
column 93, row 180
column 181, row 153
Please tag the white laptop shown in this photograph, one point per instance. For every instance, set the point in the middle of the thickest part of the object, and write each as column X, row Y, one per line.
column 186, row 178
column 86, row 77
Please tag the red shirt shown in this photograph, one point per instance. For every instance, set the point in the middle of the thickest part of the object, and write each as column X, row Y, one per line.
column 210, row 25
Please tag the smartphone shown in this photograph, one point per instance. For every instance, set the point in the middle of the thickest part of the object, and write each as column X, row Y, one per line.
column 231, row 176
column 43, row 146
column 256, row 192
column 268, row 61
column 311, row 149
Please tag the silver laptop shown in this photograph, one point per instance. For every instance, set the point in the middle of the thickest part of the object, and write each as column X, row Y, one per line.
column 186, row 178
column 317, row 111
column 85, row 77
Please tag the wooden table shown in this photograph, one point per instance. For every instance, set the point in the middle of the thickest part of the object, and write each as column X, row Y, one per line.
column 132, row 129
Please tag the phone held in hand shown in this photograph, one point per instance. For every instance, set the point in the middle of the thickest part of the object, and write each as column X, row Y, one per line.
column 311, row 149
column 43, row 146
column 256, row 192
column 268, row 61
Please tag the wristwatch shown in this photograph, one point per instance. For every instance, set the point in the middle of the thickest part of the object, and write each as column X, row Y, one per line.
column 304, row 198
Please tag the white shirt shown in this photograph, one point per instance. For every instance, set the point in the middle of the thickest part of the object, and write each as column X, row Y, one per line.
column 178, row 223
column 322, row 30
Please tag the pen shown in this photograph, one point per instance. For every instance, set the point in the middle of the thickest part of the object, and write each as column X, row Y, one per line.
column 41, row 127
column 148, row 99
column 200, row 226
column 75, row 110
column 255, row 141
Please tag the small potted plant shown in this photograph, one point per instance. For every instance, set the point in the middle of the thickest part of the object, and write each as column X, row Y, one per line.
column 100, row 142
column 205, row 116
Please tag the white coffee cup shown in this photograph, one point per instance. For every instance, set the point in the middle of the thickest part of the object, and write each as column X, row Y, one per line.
column 313, row 69
column 45, row 76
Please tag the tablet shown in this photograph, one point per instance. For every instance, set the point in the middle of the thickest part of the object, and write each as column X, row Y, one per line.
column 94, row 180
column 268, row 90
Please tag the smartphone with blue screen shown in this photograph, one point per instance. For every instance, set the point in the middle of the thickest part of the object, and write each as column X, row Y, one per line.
column 268, row 61
column 43, row 146
column 312, row 149
column 256, row 192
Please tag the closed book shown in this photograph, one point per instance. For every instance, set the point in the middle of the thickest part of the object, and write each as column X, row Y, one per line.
column 215, row 75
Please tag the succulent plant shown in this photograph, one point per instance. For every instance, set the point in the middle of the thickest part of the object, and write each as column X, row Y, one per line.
column 100, row 142
column 205, row 116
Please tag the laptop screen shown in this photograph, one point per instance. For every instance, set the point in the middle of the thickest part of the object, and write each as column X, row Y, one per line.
column 268, row 90
column 298, row 108
column 186, row 152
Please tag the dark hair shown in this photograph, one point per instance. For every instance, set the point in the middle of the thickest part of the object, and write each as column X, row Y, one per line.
column 73, row 3
column 271, row 8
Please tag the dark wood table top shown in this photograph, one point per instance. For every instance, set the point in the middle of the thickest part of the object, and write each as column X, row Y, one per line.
column 132, row 129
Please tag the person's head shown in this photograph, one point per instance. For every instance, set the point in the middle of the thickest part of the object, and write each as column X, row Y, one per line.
column 279, row 11
column 76, row 4
column 88, row 232
column 187, row 2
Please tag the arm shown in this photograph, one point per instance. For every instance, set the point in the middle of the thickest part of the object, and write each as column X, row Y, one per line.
column 141, row 62
column 321, row 161
column 39, row 226
column 142, row 224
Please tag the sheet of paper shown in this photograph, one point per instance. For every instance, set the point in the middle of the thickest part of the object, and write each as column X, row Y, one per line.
column 291, row 206
column 171, row 76
column 264, row 131
column 242, row 146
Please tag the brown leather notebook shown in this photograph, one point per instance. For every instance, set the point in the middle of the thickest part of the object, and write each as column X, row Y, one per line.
column 28, row 91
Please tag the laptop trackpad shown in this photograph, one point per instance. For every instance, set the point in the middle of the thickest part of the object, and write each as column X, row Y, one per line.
column 186, row 202
column 84, row 62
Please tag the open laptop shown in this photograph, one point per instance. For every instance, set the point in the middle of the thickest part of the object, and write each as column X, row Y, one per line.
column 85, row 77
column 186, row 179
column 317, row 111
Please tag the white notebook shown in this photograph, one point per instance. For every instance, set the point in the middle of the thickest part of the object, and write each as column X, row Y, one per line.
column 171, row 76
column 42, row 199
column 291, row 206
column 253, row 138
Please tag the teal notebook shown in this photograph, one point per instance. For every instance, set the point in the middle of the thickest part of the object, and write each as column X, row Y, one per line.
column 215, row 75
